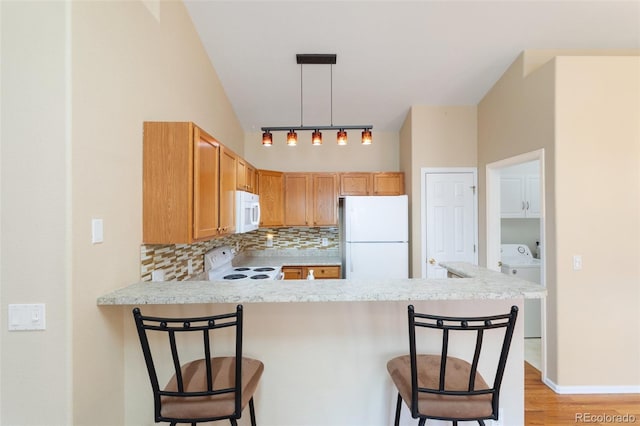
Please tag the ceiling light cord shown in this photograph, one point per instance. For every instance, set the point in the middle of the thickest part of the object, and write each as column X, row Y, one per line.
column 301, row 92
column 331, row 79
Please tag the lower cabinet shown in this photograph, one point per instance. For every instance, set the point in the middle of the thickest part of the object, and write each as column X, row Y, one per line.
column 319, row 272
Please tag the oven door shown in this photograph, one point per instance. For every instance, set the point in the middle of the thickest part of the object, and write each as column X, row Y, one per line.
column 248, row 212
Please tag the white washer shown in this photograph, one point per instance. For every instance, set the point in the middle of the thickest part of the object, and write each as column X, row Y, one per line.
column 517, row 261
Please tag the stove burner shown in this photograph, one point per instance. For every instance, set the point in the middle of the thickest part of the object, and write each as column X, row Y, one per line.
column 242, row 269
column 259, row 276
column 234, row 277
column 265, row 269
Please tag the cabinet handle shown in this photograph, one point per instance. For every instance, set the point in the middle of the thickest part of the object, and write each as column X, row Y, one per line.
column 527, row 205
column 523, row 206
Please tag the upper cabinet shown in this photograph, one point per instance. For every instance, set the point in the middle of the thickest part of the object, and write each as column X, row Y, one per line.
column 388, row 184
column 246, row 176
column 355, row 184
column 297, row 199
column 520, row 196
column 377, row 183
column 228, row 174
column 310, row 199
column 324, row 193
column 271, row 191
column 180, row 183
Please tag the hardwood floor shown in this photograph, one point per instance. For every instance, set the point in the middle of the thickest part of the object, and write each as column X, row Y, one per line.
column 544, row 407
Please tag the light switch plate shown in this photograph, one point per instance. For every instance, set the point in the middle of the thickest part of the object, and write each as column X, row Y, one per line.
column 97, row 232
column 24, row 317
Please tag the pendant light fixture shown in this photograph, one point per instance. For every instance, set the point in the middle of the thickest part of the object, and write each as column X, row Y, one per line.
column 316, row 136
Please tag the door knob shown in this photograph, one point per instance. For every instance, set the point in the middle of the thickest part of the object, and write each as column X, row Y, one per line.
column 432, row 261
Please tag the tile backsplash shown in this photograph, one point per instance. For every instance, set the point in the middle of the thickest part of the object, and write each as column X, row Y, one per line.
column 172, row 260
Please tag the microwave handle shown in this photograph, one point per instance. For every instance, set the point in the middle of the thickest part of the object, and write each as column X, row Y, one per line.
column 256, row 213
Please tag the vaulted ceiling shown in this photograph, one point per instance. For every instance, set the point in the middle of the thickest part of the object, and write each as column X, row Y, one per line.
column 390, row 54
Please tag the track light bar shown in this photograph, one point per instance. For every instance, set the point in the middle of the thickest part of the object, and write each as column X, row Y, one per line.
column 316, row 58
column 303, row 128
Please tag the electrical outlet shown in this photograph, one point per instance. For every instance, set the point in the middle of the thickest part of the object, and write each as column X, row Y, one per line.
column 189, row 266
column 325, row 242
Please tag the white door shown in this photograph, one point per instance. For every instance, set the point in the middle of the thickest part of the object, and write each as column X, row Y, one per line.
column 450, row 220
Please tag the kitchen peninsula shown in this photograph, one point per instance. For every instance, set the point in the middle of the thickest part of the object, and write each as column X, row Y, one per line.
column 325, row 343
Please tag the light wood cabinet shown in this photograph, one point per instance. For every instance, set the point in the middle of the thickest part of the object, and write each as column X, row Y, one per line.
column 376, row 183
column 355, row 184
column 252, row 179
column 324, row 199
column 319, row 272
column 228, row 185
column 245, row 176
column 311, row 199
column 180, row 183
column 297, row 199
column 387, row 183
column 271, row 190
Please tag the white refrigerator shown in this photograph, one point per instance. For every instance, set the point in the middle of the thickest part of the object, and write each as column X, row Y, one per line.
column 376, row 236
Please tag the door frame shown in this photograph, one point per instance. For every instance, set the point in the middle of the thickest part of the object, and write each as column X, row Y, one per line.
column 424, row 171
column 493, row 237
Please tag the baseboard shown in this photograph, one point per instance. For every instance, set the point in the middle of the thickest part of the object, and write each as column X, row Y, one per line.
column 577, row 390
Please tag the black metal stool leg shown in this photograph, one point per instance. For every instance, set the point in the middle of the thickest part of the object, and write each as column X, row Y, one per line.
column 252, row 412
column 422, row 421
column 398, row 408
column 233, row 422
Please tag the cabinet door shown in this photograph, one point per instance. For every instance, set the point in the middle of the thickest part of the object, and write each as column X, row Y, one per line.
column 271, row 191
column 355, row 183
column 325, row 272
column 167, row 183
column 296, row 199
column 512, row 203
column 205, row 185
column 532, row 195
column 251, row 179
column 227, row 222
column 241, row 174
column 388, row 183
column 293, row 272
column 325, row 199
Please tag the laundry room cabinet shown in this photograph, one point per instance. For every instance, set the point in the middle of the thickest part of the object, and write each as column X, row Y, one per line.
column 520, row 196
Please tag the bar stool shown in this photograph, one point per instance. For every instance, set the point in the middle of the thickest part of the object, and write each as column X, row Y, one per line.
column 206, row 389
column 444, row 387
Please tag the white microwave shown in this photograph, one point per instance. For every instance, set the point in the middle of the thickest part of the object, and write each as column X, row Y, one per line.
column 247, row 212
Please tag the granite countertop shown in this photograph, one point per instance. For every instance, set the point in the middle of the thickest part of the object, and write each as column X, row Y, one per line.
column 478, row 284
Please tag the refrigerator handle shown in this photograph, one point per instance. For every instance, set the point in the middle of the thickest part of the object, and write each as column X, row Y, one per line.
column 350, row 258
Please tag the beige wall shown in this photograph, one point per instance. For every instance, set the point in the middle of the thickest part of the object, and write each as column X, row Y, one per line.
column 598, row 216
column 35, row 366
column 124, row 64
column 434, row 136
column 381, row 155
column 584, row 112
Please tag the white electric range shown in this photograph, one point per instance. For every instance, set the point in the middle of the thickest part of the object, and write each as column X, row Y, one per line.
column 218, row 266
